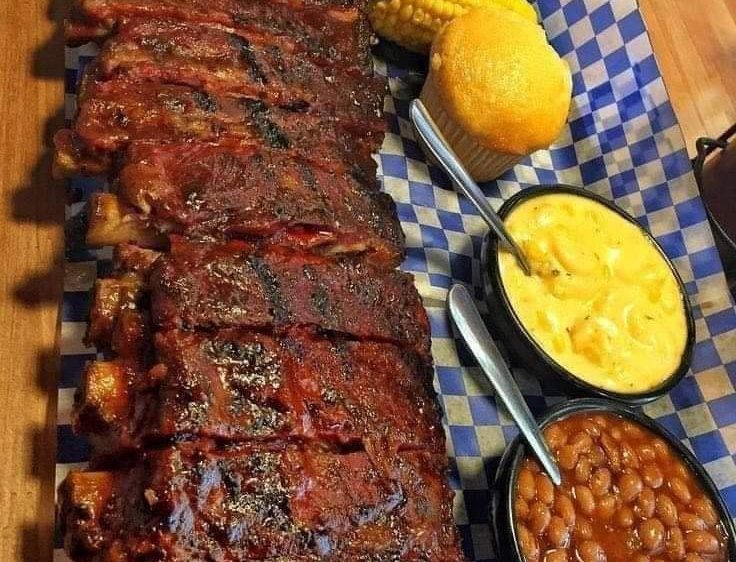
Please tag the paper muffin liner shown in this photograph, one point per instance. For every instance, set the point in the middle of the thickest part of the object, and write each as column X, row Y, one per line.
column 482, row 163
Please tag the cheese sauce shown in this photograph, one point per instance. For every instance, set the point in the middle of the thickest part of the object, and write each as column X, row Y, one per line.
column 601, row 300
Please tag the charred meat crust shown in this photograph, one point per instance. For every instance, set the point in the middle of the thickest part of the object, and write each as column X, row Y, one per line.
column 275, row 68
column 201, row 285
column 247, row 192
column 252, row 502
column 335, row 32
column 114, row 113
column 207, row 286
column 238, row 385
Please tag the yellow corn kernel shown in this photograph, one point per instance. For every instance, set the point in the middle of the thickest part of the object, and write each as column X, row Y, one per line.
column 422, row 19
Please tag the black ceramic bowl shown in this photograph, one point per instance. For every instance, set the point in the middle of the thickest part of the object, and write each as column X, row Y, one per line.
column 527, row 352
column 502, row 516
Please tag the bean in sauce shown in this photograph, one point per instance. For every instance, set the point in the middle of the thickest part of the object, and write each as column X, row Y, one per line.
column 625, row 497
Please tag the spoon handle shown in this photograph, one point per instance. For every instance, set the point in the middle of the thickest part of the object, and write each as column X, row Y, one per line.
column 473, row 330
column 450, row 163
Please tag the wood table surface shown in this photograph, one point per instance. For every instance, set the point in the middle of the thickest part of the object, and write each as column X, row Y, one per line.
column 695, row 42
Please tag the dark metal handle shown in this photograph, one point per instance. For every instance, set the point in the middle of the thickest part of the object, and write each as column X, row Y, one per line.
column 705, row 146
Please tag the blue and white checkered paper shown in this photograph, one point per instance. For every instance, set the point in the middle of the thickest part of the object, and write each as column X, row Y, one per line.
column 623, row 142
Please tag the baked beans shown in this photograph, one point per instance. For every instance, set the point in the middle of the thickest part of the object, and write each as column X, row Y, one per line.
column 625, row 497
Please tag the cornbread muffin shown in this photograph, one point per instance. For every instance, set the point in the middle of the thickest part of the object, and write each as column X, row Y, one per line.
column 496, row 88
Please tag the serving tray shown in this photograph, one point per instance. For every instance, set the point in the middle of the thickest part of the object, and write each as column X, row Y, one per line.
column 622, row 141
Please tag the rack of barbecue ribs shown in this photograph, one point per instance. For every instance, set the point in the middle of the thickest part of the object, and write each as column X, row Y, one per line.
column 264, row 391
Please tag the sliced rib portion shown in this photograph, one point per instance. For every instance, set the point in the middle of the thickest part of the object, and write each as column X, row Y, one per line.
column 275, row 68
column 203, row 285
column 237, row 385
column 116, row 112
column 355, row 222
column 242, row 191
column 119, row 319
column 250, row 503
column 337, row 32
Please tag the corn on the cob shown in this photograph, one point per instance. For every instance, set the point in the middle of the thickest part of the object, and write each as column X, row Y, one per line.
column 414, row 23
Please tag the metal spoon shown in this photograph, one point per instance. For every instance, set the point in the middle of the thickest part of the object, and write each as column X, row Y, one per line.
column 473, row 330
column 449, row 162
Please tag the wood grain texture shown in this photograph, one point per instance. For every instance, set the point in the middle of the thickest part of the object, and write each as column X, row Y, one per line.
column 31, row 206
column 695, row 43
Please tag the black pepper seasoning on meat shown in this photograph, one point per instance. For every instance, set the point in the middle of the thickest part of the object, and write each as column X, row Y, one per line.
column 247, row 365
column 297, row 106
column 272, row 288
column 243, row 368
column 248, row 55
column 258, row 111
column 172, row 103
column 205, row 101
column 321, row 300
